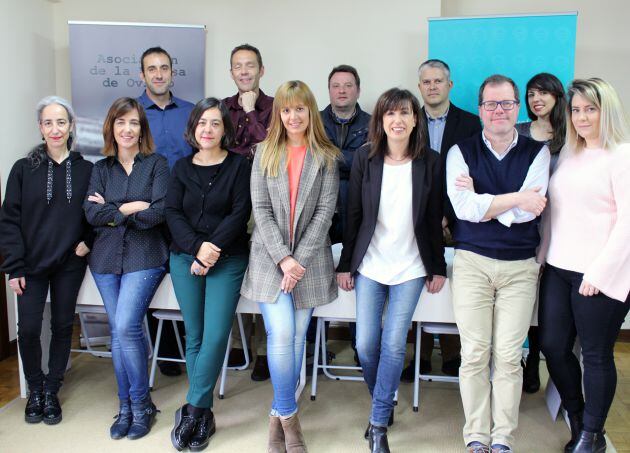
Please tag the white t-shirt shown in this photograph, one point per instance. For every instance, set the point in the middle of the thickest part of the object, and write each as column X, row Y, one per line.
column 393, row 256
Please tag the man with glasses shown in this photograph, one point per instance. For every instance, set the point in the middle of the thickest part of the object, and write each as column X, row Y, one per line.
column 496, row 181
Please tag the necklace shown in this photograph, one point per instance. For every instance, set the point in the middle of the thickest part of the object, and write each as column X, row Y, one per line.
column 397, row 160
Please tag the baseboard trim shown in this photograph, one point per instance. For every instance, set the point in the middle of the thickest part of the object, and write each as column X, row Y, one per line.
column 624, row 336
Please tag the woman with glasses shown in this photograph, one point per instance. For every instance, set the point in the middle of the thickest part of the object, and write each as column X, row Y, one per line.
column 392, row 246
column 586, row 280
column 546, row 108
column 44, row 239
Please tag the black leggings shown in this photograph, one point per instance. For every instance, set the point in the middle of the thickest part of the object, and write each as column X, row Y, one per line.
column 65, row 283
column 562, row 314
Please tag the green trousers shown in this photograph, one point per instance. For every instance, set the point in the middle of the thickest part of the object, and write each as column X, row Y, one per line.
column 208, row 304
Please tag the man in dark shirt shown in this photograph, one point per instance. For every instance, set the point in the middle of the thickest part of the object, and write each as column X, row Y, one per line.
column 446, row 124
column 347, row 127
column 167, row 116
column 166, row 113
column 250, row 108
column 250, row 111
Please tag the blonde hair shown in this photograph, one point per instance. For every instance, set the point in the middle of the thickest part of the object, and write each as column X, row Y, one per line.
column 273, row 148
column 614, row 128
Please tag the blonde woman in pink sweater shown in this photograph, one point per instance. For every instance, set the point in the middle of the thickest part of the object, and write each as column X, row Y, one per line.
column 585, row 284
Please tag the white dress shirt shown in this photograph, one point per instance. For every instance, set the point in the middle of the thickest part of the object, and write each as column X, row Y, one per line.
column 472, row 207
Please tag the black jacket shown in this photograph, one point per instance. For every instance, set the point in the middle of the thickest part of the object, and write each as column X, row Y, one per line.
column 460, row 125
column 38, row 234
column 363, row 205
column 218, row 213
column 348, row 136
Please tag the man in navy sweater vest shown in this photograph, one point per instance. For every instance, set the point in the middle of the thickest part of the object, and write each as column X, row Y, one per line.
column 496, row 181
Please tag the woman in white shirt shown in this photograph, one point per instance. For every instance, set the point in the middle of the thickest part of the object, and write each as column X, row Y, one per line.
column 392, row 244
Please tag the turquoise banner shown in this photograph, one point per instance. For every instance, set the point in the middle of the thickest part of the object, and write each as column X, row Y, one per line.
column 516, row 46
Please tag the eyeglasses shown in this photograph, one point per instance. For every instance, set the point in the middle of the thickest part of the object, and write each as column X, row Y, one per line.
column 491, row 106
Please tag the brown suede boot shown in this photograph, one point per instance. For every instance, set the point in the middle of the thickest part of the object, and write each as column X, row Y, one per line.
column 293, row 438
column 276, row 436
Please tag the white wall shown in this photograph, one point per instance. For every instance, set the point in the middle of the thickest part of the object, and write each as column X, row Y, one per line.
column 28, row 74
column 603, row 34
column 298, row 40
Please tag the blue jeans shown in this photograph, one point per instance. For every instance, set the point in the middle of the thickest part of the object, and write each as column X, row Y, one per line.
column 286, row 336
column 382, row 354
column 126, row 298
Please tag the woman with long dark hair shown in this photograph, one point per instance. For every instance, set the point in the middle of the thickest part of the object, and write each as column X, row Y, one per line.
column 125, row 205
column 44, row 239
column 392, row 245
column 586, row 280
column 546, row 108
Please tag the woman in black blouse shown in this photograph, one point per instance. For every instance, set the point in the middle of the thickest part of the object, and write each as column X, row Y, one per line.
column 44, row 239
column 126, row 207
column 207, row 209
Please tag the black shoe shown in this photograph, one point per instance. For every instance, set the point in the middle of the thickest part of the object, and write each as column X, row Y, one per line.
column 183, row 429
column 261, row 369
column 408, row 373
column 378, row 440
column 531, row 377
column 390, row 422
column 52, row 409
column 451, row 367
column 144, row 414
column 590, row 443
column 236, row 357
column 206, row 427
column 34, row 410
column 575, row 423
column 120, row 427
column 170, row 369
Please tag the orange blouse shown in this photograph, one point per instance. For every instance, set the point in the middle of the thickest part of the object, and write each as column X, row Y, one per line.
column 296, row 162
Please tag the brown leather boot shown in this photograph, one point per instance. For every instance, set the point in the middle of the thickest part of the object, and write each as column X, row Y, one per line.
column 276, row 436
column 293, row 438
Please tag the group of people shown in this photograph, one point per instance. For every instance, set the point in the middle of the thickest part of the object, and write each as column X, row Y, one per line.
column 179, row 183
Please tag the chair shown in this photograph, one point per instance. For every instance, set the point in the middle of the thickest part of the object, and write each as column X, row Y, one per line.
column 435, row 328
column 174, row 316
column 83, row 310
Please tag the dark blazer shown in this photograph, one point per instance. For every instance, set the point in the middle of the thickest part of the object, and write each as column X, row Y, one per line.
column 216, row 211
column 460, row 125
column 364, row 197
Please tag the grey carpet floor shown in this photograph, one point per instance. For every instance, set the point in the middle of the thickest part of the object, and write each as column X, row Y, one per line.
column 334, row 423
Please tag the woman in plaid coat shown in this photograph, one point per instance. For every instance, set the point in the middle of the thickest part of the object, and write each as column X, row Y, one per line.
column 294, row 187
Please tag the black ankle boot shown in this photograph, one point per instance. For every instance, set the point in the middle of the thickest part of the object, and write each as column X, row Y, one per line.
column 183, row 429
column 120, row 427
column 34, row 410
column 52, row 409
column 206, row 427
column 143, row 413
column 378, row 440
column 531, row 375
column 575, row 423
column 390, row 422
column 590, row 443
